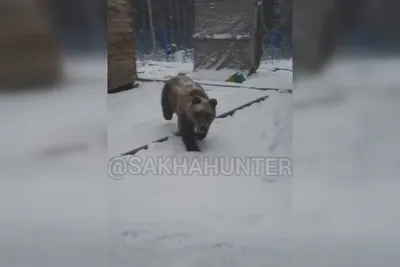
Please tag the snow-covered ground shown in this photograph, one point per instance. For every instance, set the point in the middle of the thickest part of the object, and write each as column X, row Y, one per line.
column 53, row 199
column 38, row 124
column 266, row 76
column 54, row 202
column 346, row 187
column 135, row 117
column 210, row 220
column 340, row 210
column 194, row 219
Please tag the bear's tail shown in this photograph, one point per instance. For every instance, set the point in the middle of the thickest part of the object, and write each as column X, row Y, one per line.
column 165, row 105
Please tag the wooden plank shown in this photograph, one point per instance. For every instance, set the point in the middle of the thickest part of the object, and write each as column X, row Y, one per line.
column 121, row 44
column 225, row 84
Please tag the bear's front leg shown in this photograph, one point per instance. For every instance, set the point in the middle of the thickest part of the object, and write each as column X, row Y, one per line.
column 187, row 133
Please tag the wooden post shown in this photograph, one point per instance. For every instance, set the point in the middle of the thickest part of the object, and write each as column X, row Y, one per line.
column 121, row 46
column 29, row 55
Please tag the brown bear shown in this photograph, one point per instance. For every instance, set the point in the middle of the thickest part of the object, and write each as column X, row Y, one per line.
column 194, row 109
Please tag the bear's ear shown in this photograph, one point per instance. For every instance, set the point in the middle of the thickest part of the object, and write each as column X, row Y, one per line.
column 213, row 102
column 196, row 100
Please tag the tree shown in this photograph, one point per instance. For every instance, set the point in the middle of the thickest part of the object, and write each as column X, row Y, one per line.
column 153, row 34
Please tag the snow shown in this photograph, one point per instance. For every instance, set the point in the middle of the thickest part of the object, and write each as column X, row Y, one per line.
column 265, row 77
column 57, row 205
column 270, row 135
column 135, row 117
column 52, row 193
column 222, row 36
column 346, row 162
column 196, row 220
column 212, row 220
column 341, row 210
column 45, row 119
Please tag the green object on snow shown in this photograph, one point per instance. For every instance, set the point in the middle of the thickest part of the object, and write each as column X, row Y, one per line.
column 238, row 77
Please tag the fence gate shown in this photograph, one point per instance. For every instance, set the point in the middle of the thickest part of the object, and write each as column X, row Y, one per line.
column 226, row 35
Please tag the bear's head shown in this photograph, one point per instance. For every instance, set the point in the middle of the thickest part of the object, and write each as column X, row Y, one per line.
column 202, row 113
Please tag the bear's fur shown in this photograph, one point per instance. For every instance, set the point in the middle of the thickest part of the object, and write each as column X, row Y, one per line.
column 195, row 111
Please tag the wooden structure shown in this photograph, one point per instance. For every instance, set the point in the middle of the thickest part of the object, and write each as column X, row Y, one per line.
column 29, row 55
column 172, row 19
column 228, row 35
column 121, row 46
